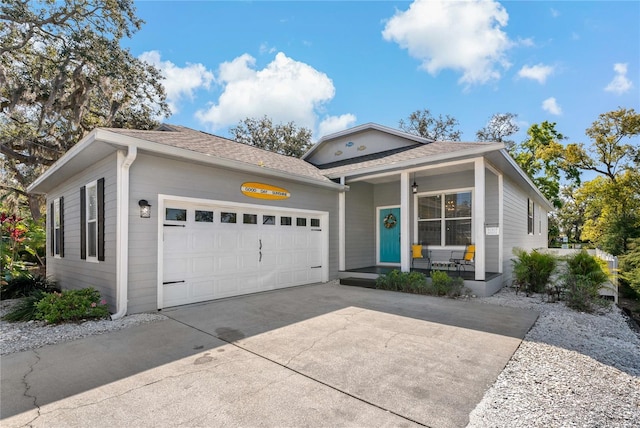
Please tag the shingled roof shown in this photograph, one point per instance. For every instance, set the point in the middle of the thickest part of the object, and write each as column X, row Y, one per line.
column 212, row 145
column 433, row 149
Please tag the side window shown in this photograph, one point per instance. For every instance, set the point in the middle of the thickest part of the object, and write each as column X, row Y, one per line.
column 57, row 227
column 92, row 221
column 530, row 216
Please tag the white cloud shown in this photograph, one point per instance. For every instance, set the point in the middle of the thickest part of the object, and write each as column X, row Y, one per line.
column 551, row 105
column 332, row 124
column 459, row 35
column 555, row 13
column 620, row 84
column 285, row 90
column 266, row 49
column 179, row 82
column 538, row 72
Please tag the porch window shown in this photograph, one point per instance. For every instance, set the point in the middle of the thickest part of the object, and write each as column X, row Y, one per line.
column 445, row 219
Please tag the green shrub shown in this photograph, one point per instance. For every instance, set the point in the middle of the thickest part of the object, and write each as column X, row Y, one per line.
column 630, row 268
column 72, row 305
column 26, row 284
column 533, row 270
column 27, row 309
column 411, row 282
column 444, row 285
column 583, row 281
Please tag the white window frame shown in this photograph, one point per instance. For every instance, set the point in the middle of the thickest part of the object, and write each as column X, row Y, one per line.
column 56, row 229
column 88, row 188
column 531, row 223
column 443, row 218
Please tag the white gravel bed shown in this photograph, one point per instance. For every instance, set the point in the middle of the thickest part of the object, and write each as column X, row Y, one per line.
column 21, row 336
column 572, row 370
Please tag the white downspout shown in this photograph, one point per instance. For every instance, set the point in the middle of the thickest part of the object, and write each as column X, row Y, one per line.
column 122, row 230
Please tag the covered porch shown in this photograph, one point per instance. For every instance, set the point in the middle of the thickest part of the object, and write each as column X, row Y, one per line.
column 442, row 205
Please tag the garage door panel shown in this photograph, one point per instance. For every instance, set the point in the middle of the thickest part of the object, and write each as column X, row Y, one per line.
column 203, row 265
column 202, row 242
column 203, row 289
column 216, row 259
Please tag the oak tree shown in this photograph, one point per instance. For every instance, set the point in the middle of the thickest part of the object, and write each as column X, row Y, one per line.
column 424, row 124
column 63, row 73
column 286, row 139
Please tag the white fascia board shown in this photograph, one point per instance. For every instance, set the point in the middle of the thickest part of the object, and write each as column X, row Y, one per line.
column 410, row 163
column 149, row 146
column 526, row 178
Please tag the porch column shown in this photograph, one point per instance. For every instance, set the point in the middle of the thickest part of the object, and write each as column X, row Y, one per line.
column 479, row 218
column 341, row 228
column 405, row 262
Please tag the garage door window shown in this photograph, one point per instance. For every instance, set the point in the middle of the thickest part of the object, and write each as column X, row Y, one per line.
column 269, row 219
column 176, row 214
column 301, row 221
column 250, row 219
column 285, row 221
column 227, row 217
column 204, row 216
column 315, row 222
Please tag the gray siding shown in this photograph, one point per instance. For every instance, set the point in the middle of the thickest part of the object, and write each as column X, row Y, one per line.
column 152, row 175
column 491, row 243
column 515, row 226
column 360, row 234
column 71, row 272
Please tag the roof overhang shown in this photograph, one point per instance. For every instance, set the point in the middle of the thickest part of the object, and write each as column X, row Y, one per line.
column 101, row 142
column 496, row 155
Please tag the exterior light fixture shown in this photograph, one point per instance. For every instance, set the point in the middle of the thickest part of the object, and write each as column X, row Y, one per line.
column 145, row 208
column 414, row 187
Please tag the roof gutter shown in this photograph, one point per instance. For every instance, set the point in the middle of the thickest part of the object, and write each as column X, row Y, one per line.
column 122, row 230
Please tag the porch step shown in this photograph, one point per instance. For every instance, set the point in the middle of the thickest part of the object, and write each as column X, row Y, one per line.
column 359, row 282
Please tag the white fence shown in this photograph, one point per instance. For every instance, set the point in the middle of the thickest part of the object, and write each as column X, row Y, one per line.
column 609, row 290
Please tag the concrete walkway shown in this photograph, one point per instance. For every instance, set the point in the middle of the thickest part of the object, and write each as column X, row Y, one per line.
column 321, row 355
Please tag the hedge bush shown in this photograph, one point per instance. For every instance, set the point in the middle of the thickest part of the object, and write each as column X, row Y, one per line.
column 71, row 305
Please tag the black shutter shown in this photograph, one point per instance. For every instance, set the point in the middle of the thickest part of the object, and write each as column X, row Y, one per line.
column 100, row 191
column 61, row 243
column 52, row 227
column 83, row 223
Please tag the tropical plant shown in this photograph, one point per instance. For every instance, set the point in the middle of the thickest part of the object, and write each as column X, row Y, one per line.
column 583, row 280
column 533, row 270
column 27, row 284
column 26, row 309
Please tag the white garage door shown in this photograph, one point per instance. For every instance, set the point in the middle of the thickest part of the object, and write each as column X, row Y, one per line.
column 216, row 251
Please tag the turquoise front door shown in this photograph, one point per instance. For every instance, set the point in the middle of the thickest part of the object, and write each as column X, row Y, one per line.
column 389, row 232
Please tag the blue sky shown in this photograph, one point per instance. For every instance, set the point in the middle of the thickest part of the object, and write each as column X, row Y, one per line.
column 331, row 65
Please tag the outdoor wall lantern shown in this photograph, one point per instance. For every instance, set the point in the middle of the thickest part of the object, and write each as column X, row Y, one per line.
column 414, row 188
column 145, row 208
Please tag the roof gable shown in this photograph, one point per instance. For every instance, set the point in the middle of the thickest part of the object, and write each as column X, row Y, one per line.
column 364, row 140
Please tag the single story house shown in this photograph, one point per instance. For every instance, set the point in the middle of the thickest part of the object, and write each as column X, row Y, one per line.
column 155, row 219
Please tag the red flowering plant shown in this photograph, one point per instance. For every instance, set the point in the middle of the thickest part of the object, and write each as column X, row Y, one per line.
column 17, row 240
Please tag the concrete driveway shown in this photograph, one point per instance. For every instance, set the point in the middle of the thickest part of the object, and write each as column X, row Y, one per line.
column 320, row 355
